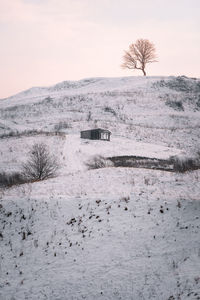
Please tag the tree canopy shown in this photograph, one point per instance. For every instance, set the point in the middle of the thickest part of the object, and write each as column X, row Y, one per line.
column 140, row 53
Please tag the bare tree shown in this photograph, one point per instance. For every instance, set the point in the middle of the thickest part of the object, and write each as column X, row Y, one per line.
column 41, row 164
column 138, row 55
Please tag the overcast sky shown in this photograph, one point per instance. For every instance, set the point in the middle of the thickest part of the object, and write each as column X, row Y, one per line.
column 47, row 41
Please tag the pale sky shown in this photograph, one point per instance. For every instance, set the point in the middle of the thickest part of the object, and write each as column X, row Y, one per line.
column 44, row 42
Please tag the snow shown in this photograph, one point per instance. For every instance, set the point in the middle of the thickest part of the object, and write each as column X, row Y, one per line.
column 110, row 233
column 130, row 254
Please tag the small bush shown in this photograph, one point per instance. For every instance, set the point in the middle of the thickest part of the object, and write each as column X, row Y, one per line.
column 48, row 99
column 185, row 164
column 61, row 125
column 177, row 105
column 110, row 110
column 98, row 162
column 9, row 179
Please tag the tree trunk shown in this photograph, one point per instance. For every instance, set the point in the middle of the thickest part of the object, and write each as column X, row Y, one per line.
column 144, row 72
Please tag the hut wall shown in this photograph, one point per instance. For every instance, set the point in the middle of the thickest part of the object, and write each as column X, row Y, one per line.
column 95, row 135
column 86, row 134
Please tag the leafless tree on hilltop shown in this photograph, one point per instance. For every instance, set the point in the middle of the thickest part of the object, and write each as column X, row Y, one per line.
column 139, row 54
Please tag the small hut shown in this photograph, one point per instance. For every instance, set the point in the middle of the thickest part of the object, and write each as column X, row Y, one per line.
column 96, row 134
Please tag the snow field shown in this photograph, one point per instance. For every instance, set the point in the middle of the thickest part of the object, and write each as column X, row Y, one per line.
column 111, row 233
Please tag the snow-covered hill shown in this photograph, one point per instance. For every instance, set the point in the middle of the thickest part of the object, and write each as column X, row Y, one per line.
column 110, row 233
column 162, row 110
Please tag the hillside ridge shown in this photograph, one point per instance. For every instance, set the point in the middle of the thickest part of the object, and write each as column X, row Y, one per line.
column 76, row 84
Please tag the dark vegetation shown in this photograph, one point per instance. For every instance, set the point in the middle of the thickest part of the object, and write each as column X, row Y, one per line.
column 9, row 179
column 173, row 164
column 32, row 132
column 110, row 110
column 177, row 105
column 187, row 92
column 141, row 162
column 181, row 84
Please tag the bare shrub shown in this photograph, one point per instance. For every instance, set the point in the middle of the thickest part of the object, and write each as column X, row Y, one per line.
column 98, row 162
column 89, row 116
column 61, row 125
column 125, row 199
column 110, row 110
column 177, row 105
column 41, row 164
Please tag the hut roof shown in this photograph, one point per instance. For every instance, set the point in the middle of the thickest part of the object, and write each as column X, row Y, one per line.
column 97, row 129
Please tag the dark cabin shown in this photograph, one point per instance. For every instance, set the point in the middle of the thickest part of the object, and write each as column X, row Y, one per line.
column 96, row 134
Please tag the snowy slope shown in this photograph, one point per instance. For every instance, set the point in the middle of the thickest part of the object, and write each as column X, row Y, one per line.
column 162, row 110
column 74, row 153
column 129, row 234
column 111, row 233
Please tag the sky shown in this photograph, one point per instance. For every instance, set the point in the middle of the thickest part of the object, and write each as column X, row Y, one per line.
column 44, row 42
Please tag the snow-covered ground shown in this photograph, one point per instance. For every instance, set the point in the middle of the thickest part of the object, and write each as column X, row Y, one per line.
column 111, row 233
column 105, row 234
